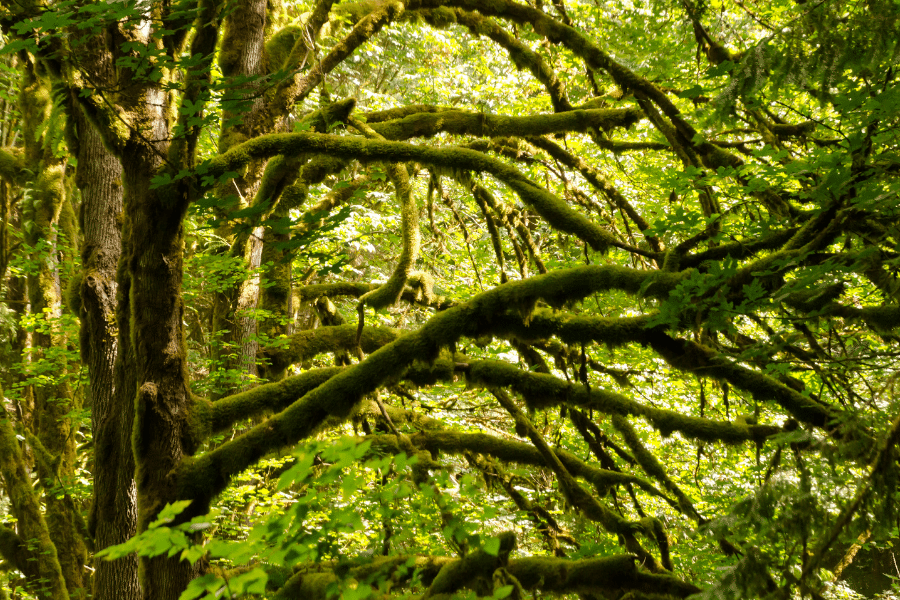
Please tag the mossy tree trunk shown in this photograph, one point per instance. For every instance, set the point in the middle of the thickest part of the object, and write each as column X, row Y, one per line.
column 30, row 549
column 113, row 516
column 243, row 56
column 51, row 235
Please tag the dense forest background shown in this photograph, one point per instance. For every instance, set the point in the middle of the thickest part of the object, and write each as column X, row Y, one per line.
column 479, row 298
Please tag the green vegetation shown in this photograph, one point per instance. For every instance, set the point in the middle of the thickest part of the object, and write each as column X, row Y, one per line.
column 431, row 300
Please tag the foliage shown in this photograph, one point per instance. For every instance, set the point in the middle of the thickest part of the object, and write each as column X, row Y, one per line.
column 454, row 299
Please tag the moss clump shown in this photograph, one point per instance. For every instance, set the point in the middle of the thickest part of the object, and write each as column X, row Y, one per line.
column 73, row 295
column 278, row 49
column 474, row 570
column 440, row 17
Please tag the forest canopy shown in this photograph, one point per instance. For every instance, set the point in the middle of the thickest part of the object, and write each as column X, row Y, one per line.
column 466, row 299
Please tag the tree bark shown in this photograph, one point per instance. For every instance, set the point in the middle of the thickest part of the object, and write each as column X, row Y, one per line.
column 55, row 400
column 114, row 511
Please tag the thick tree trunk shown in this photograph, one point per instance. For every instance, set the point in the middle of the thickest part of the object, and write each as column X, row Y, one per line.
column 114, row 511
column 151, row 367
column 160, row 432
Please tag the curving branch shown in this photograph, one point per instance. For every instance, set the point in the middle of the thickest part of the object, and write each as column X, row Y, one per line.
column 554, row 210
column 204, row 476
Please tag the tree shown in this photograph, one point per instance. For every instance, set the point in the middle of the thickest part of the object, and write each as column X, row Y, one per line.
column 608, row 294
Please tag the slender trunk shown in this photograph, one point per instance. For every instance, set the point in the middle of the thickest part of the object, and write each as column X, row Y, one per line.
column 243, row 55
column 36, row 559
column 55, row 400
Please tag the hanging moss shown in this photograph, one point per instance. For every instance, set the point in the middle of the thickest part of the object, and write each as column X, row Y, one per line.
column 690, row 356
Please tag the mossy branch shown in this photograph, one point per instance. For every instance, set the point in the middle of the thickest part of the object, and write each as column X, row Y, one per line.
column 576, row 495
column 215, row 417
column 540, row 391
column 692, row 357
column 596, row 59
column 596, row 179
column 521, row 55
column 466, row 571
column 512, row 451
column 461, row 122
column 553, row 209
column 544, row 522
column 296, row 88
column 389, row 293
column 550, row 575
column 202, row 477
column 307, row 344
column 682, row 354
column 739, row 249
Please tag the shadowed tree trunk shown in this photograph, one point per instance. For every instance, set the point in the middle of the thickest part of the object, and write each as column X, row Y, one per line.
column 113, row 513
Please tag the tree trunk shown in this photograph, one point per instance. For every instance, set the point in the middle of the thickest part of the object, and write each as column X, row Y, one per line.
column 55, row 400
column 114, row 512
column 244, row 43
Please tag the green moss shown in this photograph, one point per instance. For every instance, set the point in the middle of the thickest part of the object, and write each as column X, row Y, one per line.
column 38, row 561
column 73, row 295
column 814, row 299
column 307, row 344
column 554, row 210
column 612, row 574
column 439, row 18
column 271, row 397
column 883, row 319
column 474, row 570
column 460, row 122
column 279, row 47
column 325, row 118
column 202, row 476
column 11, row 164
